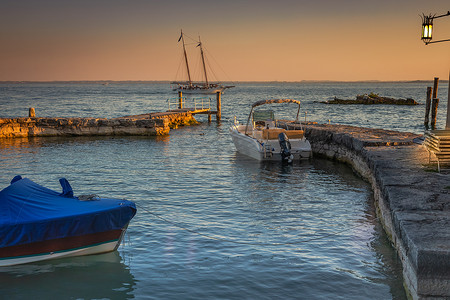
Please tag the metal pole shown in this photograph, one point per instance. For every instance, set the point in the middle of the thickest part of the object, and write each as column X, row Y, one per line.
column 447, row 123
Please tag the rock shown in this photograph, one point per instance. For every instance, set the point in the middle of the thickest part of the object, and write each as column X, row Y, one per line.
column 372, row 99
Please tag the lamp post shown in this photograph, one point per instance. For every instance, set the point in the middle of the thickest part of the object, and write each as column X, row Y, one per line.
column 427, row 28
column 427, row 35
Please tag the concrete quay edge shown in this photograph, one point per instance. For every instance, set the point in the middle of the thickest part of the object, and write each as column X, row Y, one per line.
column 412, row 199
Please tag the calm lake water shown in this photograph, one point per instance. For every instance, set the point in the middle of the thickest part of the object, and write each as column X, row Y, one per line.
column 211, row 224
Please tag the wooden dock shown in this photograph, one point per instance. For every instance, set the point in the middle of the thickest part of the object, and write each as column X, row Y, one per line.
column 195, row 106
column 181, row 106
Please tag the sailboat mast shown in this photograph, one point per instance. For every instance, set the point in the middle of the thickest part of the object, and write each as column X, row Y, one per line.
column 186, row 59
column 203, row 61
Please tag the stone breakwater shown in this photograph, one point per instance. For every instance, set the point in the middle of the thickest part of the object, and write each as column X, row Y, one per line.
column 412, row 199
column 155, row 124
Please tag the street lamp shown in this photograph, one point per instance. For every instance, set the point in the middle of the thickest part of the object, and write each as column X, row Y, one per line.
column 427, row 32
column 427, row 28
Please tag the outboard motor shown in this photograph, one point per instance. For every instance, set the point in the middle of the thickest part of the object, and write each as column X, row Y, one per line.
column 285, row 145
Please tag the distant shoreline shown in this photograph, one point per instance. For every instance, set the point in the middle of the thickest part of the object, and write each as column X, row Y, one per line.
column 169, row 81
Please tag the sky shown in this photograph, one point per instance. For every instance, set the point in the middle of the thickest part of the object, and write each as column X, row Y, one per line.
column 245, row 40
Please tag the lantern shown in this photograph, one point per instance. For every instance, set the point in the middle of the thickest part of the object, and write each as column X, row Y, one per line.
column 427, row 29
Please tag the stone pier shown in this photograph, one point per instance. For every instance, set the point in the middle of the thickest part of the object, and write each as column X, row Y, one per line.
column 412, row 199
column 34, row 127
column 154, row 124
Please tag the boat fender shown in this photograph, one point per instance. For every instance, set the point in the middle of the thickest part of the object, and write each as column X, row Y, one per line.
column 285, row 145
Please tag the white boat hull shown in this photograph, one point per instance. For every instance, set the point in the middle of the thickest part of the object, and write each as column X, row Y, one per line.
column 268, row 150
column 96, row 248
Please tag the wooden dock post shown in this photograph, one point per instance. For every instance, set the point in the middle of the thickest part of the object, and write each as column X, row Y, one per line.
column 434, row 108
column 427, row 107
column 435, row 103
column 180, row 100
column 435, row 87
column 219, row 104
column 31, row 112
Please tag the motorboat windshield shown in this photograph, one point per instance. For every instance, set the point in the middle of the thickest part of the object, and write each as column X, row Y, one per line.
column 261, row 116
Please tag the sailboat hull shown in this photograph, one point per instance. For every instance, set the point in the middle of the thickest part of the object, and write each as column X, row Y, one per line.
column 203, row 91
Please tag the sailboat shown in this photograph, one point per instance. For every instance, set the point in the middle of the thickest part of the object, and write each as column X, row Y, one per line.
column 191, row 87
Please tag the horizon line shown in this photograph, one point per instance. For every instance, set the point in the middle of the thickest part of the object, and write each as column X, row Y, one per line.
column 241, row 81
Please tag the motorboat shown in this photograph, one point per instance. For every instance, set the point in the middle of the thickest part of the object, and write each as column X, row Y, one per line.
column 37, row 223
column 265, row 138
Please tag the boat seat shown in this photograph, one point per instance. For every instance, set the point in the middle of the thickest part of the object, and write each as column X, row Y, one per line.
column 270, row 124
column 294, row 134
column 272, row 133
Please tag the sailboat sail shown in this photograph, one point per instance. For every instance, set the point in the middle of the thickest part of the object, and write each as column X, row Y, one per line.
column 192, row 87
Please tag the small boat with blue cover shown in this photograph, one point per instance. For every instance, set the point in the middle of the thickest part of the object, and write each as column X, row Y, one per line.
column 37, row 223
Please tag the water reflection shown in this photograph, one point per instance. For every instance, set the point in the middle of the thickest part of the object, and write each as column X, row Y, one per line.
column 36, row 142
column 86, row 277
column 317, row 209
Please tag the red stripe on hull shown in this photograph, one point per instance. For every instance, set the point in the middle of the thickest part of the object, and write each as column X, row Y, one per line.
column 62, row 244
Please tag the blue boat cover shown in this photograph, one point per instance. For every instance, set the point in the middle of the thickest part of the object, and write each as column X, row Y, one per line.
column 31, row 213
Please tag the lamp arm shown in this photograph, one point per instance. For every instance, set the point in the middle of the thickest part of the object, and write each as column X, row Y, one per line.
column 437, row 41
column 444, row 15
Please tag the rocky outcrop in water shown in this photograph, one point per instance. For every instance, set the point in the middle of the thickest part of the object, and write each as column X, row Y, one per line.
column 372, row 99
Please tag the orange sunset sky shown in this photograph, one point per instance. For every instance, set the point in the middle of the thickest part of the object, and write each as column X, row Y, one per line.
column 277, row 40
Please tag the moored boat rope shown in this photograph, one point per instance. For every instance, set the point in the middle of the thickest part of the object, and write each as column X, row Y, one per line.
column 249, row 242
